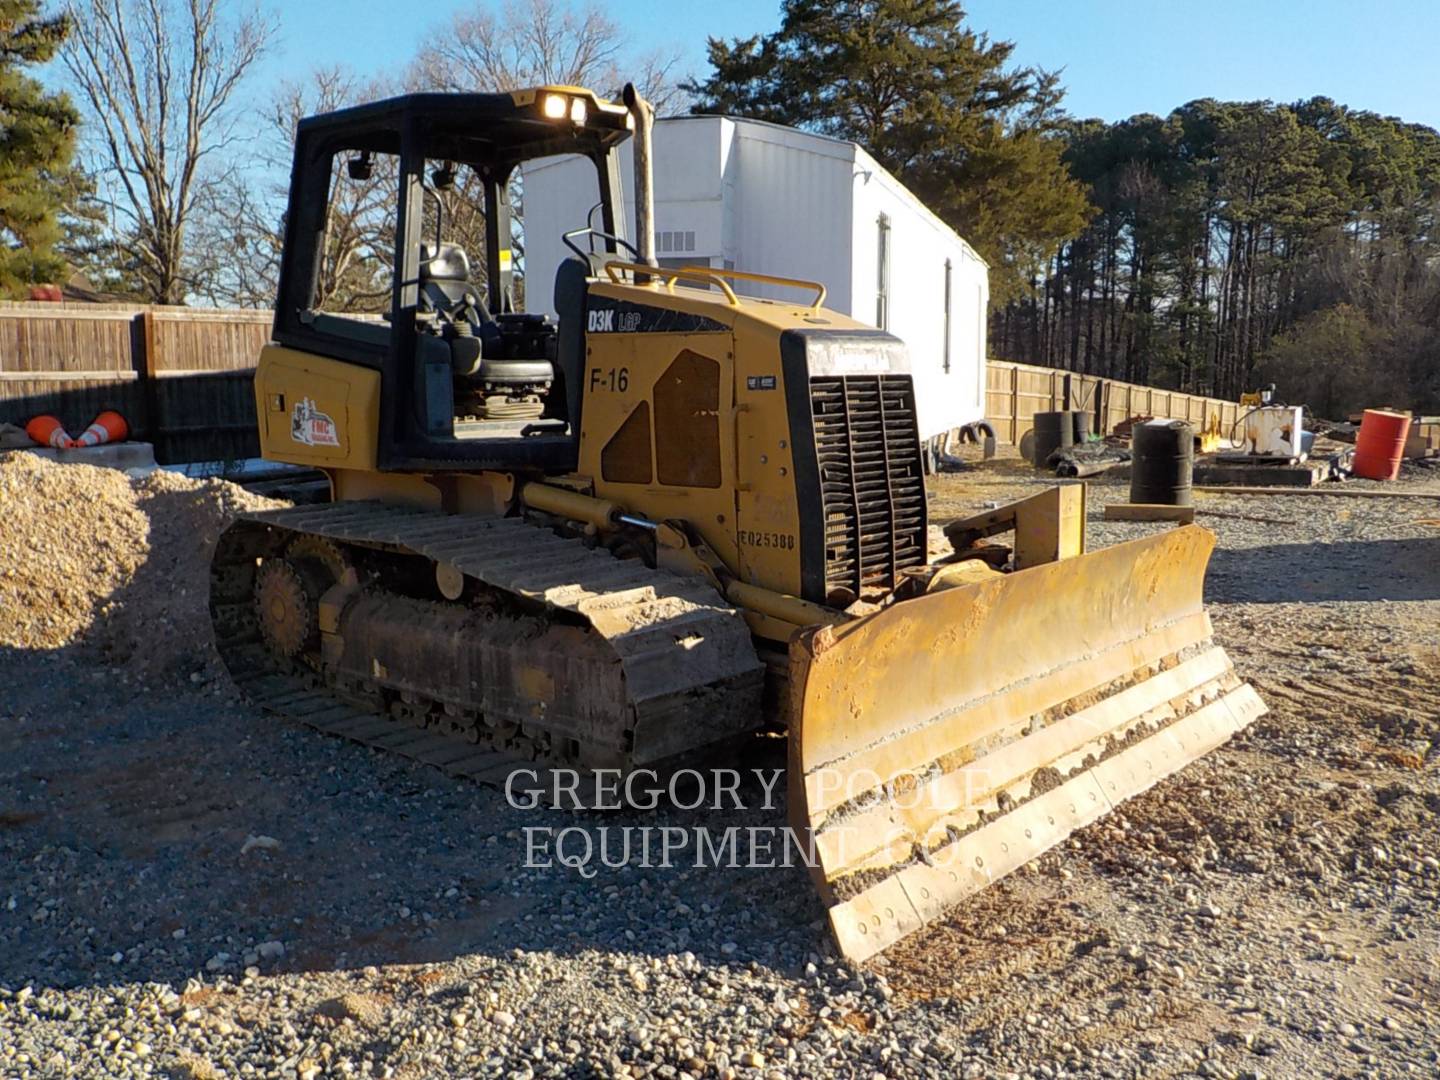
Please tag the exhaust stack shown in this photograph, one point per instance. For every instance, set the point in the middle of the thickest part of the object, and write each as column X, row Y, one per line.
column 644, row 176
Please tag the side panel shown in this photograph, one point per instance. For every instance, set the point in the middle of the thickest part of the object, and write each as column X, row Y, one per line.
column 316, row 411
column 647, row 392
column 771, row 535
column 766, row 518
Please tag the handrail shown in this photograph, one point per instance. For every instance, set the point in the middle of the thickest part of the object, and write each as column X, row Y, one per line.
column 670, row 274
column 775, row 279
column 717, row 275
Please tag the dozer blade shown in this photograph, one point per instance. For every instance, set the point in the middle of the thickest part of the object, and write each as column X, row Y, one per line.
column 945, row 741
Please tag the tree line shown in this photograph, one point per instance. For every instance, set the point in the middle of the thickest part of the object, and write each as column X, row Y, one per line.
column 1235, row 244
column 1223, row 246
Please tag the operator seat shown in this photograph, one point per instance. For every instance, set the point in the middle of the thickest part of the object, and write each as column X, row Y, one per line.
column 504, row 357
column 571, row 290
column 445, row 283
column 445, row 290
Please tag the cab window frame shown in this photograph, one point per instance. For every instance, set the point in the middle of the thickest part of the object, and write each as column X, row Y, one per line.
column 411, row 128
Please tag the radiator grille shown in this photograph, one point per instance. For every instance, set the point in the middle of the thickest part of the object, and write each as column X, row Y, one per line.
column 872, row 487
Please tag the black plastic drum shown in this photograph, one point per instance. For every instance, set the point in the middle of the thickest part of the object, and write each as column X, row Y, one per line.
column 1053, row 431
column 1162, row 461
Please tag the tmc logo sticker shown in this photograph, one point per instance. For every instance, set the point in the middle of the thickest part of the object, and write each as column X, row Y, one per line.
column 312, row 427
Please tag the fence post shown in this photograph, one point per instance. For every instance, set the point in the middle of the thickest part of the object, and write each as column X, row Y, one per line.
column 147, row 368
column 1015, row 405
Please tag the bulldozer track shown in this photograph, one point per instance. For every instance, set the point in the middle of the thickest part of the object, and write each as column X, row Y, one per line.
column 681, row 651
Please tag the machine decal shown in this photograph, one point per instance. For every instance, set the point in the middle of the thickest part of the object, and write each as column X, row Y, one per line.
column 622, row 317
column 617, row 379
column 760, row 382
column 310, row 426
column 761, row 539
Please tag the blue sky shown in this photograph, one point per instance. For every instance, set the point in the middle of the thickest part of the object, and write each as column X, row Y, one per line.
column 1119, row 57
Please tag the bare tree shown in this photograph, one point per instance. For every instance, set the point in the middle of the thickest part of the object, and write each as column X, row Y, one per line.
column 654, row 74
column 240, row 219
column 158, row 78
column 235, row 260
column 531, row 43
column 537, row 43
column 528, row 43
column 360, row 214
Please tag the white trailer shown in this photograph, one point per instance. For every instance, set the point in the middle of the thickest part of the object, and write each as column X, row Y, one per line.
column 747, row 195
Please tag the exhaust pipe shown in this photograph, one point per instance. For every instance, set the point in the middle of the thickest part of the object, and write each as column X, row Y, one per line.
column 644, row 116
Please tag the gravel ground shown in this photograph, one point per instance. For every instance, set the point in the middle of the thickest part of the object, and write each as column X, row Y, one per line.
column 192, row 889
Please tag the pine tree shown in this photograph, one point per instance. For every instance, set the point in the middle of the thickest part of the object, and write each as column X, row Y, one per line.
column 1240, row 243
column 930, row 99
column 37, row 138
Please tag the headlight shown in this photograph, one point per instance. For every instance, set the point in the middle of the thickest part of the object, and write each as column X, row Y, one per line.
column 554, row 106
column 577, row 111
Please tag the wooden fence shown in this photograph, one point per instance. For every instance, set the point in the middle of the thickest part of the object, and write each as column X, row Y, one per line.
column 1014, row 393
column 181, row 377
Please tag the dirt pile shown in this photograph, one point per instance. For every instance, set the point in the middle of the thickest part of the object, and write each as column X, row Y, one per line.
column 93, row 557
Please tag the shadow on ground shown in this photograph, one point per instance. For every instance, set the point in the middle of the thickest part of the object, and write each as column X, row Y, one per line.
column 1368, row 570
column 125, row 811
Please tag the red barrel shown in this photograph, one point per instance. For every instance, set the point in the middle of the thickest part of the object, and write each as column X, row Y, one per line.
column 1380, row 444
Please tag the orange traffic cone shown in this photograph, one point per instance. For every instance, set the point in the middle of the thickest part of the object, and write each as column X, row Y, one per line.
column 47, row 431
column 108, row 427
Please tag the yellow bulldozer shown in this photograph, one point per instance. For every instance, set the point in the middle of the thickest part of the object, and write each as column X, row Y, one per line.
column 635, row 534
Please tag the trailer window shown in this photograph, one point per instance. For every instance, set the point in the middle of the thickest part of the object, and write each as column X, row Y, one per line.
column 980, row 316
column 689, row 260
column 882, row 272
column 947, row 316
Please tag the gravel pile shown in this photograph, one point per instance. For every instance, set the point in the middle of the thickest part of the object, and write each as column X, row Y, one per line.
column 192, row 889
column 120, row 563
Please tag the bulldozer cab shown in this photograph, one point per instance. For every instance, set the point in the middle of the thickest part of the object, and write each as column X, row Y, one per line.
column 403, row 254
